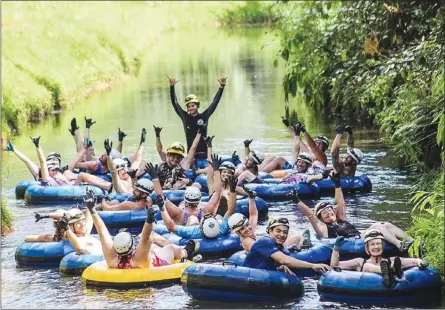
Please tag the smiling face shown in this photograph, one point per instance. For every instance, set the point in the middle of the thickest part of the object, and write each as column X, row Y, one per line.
column 103, row 159
column 349, row 161
column 192, row 109
column 79, row 228
column 321, row 145
column 138, row 195
column 249, row 162
column 123, row 174
column 301, row 166
column 374, row 247
column 173, row 159
column 225, row 174
column 53, row 172
column 279, row 234
column 328, row 216
column 246, row 231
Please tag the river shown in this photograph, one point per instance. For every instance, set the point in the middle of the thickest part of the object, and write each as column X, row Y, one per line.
column 251, row 106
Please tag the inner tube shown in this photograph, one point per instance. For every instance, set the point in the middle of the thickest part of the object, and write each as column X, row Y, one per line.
column 279, row 191
column 239, row 284
column 357, row 184
column 133, row 220
column 367, row 288
column 221, row 246
column 42, row 254
column 355, row 247
column 21, row 187
column 38, row 194
column 75, row 264
column 100, row 275
column 175, row 196
column 316, row 255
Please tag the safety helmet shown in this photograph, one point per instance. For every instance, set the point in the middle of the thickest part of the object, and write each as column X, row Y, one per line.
column 192, row 195
column 54, row 155
column 237, row 221
column 53, row 165
column 323, row 139
column 373, row 234
column 277, row 221
column 145, row 185
column 119, row 163
column 306, row 157
column 209, row 226
column 74, row 215
column 127, row 161
column 115, row 154
column 191, row 99
column 227, row 165
column 320, row 206
column 257, row 157
column 356, row 154
column 123, row 243
column 176, row 148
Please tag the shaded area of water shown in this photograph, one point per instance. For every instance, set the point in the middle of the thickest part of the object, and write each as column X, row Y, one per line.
column 250, row 108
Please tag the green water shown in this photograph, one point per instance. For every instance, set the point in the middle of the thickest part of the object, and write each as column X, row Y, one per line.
column 251, row 106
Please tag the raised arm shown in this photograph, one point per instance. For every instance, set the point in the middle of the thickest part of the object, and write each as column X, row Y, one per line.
column 253, row 210
column 340, row 200
column 174, row 100
column 159, row 146
column 169, row 223
column 353, row 264
column 138, row 156
column 232, row 197
column 222, row 83
column 88, row 123
column 350, row 136
column 247, row 147
column 296, row 142
column 320, row 228
column 120, row 135
column 335, row 148
column 42, row 161
column 73, row 164
column 318, row 154
column 188, row 160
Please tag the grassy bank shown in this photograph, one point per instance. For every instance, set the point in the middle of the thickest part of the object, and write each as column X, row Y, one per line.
column 248, row 12
column 55, row 53
column 6, row 219
column 380, row 63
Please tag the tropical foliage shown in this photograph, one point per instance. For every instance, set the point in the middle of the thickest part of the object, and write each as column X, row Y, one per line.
column 378, row 62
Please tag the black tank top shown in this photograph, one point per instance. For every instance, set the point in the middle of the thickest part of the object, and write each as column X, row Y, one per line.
column 343, row 229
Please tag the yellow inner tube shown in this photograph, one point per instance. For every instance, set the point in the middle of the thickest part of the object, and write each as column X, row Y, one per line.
column 99, row 274
column 279, row 174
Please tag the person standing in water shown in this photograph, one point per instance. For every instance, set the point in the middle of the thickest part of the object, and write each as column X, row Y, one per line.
column 192, row 119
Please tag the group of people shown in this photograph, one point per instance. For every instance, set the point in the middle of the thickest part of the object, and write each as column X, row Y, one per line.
column 194, row 219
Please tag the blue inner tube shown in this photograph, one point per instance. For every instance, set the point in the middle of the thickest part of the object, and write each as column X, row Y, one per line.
column 75, row 264
column 133, row 220
column 279, row 191
column 239, row 284
column 355, row 247
column 37, row 194
column 42, row 254
column 317, row 255
column 20, row 189
column 357, row 184
column 366, row 288
column 175, row 196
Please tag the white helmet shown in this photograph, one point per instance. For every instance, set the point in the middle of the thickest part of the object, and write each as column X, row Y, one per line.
column 145, row 185
column 192, row 195
column 257, row 157
column 123, row 243
column 306, row 157
column 209, row 226
column 119, row 163
column 237, row 221
column 115, row 154
column 356, row 154
column 74, row 215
